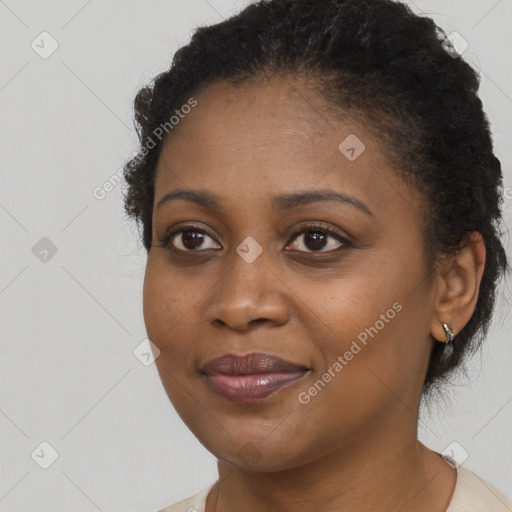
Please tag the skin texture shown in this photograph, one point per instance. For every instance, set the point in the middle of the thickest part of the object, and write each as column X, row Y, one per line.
column 353, row 446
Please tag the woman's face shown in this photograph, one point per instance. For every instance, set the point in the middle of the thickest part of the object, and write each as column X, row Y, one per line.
column 356, row 313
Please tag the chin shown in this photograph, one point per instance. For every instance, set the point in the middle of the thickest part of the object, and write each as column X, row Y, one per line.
column 257, row 453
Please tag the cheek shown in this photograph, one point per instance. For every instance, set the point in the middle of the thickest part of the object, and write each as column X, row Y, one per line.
column 383, row 360
column 166, row 309
column 165, row 306
column 375, row 326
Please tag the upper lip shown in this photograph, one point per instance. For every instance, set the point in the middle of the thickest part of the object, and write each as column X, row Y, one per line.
column 254, row 363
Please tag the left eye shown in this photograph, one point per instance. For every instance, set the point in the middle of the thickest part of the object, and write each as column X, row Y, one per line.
column 316, row 239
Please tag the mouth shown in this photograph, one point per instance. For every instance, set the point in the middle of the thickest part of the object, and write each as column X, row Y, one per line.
column 249, row 378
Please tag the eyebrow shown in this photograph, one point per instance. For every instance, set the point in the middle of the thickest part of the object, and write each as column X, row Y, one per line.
column 282, row 202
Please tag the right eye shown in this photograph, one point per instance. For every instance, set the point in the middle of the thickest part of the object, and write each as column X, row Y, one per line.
column 187, row 238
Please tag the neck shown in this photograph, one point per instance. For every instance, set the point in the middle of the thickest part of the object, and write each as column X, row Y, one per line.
column 390, row 471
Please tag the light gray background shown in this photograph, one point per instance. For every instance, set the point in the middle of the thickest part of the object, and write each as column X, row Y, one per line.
column 68, row 375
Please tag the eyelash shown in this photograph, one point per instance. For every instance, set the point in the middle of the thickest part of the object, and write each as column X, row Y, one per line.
column 166, row 239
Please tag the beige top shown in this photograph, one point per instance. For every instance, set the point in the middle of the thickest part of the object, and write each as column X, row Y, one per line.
column 471, row 494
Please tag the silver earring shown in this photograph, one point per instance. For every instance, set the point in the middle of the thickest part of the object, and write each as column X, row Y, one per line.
column 448, row 347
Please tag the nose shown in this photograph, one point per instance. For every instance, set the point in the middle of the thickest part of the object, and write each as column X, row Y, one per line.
column 249, row 294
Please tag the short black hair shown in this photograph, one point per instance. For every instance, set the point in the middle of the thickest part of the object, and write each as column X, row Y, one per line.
column 372, row 57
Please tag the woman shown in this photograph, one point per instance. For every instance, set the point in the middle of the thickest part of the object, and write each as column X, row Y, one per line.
column 320, row 204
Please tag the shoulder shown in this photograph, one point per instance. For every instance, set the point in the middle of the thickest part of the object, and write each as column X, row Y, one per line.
column 194, row 503
column 474, row 494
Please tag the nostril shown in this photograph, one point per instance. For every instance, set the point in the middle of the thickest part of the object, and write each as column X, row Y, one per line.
column 258, row 321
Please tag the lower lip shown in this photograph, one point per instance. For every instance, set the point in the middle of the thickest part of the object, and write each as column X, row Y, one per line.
column 250, row 388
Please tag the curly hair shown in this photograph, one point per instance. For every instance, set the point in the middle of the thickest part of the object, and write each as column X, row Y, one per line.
column 368, row 57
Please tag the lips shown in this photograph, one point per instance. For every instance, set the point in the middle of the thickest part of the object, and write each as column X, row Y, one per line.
column 250, row 364
column 252, row 377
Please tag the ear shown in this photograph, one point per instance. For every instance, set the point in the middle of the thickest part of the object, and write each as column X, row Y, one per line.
column 458, row 283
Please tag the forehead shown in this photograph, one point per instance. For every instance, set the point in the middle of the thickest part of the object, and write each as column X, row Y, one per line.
column 271, row 136
column 260, row 113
